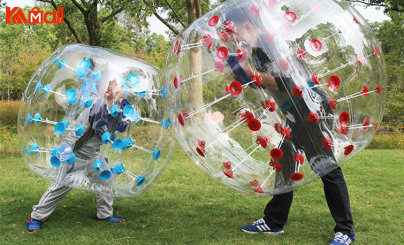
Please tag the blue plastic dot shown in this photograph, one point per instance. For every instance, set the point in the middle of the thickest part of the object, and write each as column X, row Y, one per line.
column 62, row 63
column 87, row 88
column 79, row 130
column 88, row 102
column 156, row 154
column 95, row 75
column 106, row 137
column 85, row 64
column 114, row 110
column 117, row 145
column 133, row 79
column 56, row 60
column 141, row 94
column 71, row 95
column 72, row 159
column 66, row 151
column 165, row 123
column 46, row 89
column 54, row 152
column 140, row 180
column 81, row 73
column 97, row 165
column 27, row 150
column 105, row 174
column 60, row 127
column 37, row 118
column 28, row 119
column 38, row 87
column 128, row 111
column 164, row 92
column 55, row 162
column 127, row 143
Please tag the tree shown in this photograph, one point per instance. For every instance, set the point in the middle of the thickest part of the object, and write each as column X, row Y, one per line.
column 389, row 5
column 96, row 13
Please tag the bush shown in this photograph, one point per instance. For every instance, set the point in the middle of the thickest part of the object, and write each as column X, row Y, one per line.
column 393, row 139
column 8, row 117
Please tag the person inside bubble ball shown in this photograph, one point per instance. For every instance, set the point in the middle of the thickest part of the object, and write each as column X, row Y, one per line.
column 306, row 138
column 96, row 121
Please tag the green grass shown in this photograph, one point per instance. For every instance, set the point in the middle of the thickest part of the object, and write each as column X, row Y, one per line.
column 186, row 206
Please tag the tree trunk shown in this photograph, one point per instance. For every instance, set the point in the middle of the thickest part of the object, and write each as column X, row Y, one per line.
column 194, row 12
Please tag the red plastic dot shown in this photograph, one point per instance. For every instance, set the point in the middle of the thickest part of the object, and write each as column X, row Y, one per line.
column 268, row 105
column 278, row 127
column 213, row 21
column 270, row 36
column 227, row 90
column 360, row 58
column 222, row 52
column 219, row 66
column 365, row 90
column 259, row 190
column 242, row 55
column 301, row 53
column 344, row 117
column 202, row 144
column 343, row 129
column 313, row 117
column 357, row 20
column 334, row 82
column 235, row 88
column 229, row 27
column 200, row 152
column 257, row 80
column 255, row 11
column 290, row 16
column 298, row 158
column 276, row 153
column 366, row 123
column 254, row 183
column 228, row 173
column 207, row 41
column 316, row 45
column 298, row 91
column 223, row 35
column 284, row 64
column 285, row 132
column 379, row 89
column 254, row 125
column 296, row 176
column 376, row 52
column 177, row 82
column 181, row 119
column 276, row 165
column 177, row 47
column 327, row 144
column 315, row 79
column 332, row 103
column 227, row 165
column 247, row 116
column 266, row 138
column 262, row 142
column 348, row 149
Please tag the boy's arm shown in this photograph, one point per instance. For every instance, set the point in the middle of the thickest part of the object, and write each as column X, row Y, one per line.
column 84, row 120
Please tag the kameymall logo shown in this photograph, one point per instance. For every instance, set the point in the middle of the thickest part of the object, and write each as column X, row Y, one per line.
column 35, row 16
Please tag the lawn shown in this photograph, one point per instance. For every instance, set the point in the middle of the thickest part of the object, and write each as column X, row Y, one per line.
column 186, row 206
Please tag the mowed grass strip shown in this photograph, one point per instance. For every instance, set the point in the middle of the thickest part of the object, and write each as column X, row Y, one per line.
column 186, row 206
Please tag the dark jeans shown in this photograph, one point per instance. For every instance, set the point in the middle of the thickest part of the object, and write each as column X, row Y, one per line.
column 336, row 193
column 307, row 137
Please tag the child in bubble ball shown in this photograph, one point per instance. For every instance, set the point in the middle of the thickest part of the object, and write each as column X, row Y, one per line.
column 306, row 138
column 96, row 121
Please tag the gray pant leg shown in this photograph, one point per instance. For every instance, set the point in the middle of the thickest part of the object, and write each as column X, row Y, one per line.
column 104, row 204
column 49, row 201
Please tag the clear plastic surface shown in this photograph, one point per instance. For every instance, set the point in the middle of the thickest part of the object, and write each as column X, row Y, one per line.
column 267, row 96
column 96, row 120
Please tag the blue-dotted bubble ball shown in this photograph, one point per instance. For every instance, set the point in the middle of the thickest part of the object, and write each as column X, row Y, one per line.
column 96, row 120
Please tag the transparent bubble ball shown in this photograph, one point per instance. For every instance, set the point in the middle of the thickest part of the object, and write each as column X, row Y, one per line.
column 96, row 120
column 267, row 96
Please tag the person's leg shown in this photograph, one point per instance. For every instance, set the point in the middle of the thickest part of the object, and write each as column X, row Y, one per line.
column 336, row 193
column 49, row 201
column 104, row 206
column 277, row 210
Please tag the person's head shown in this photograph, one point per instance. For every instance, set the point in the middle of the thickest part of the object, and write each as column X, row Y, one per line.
column 247, row 27
column 113, row 93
